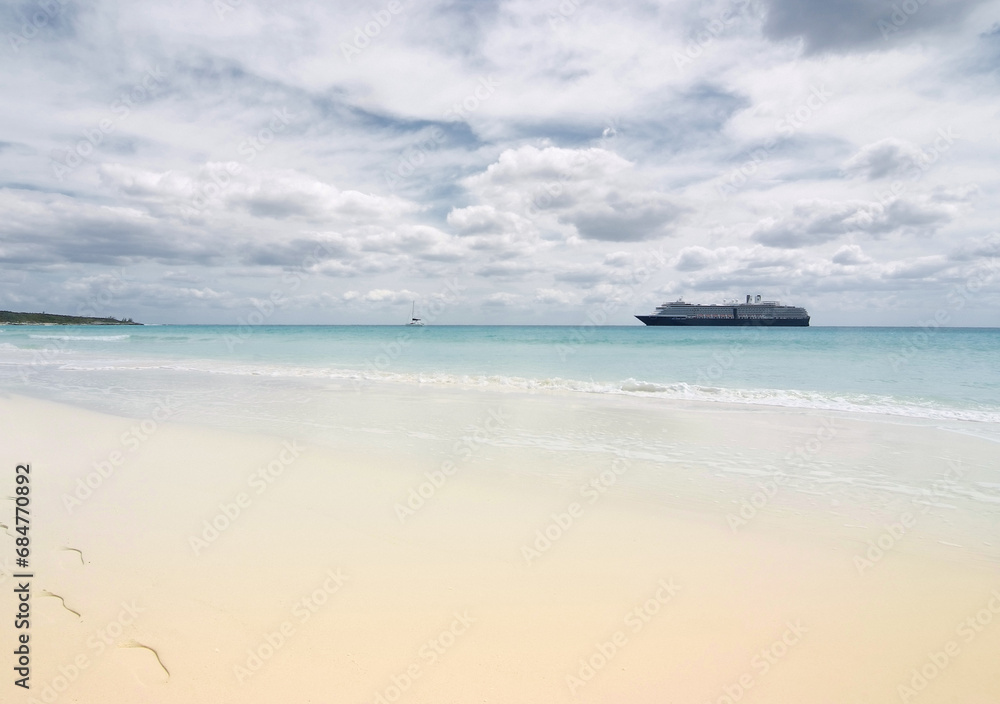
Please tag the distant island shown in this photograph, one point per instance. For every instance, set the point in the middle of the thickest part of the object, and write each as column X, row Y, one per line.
column 9, row 318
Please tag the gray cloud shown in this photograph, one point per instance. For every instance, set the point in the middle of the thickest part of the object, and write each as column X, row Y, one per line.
column 584, row 276
column 887, row 157
column 50, row 228
column 846, row 25
column 987, row 246
column 300, row 253
column 506, row 270
column 818, row 221
column 627, row 219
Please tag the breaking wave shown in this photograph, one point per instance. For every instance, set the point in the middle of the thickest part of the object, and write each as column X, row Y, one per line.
column 788, row 398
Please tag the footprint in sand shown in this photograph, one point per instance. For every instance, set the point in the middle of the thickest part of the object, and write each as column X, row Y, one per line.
column 144, row 670
column 79, row 553
column 47, row 593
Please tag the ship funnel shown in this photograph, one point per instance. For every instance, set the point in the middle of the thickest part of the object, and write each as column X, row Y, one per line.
column 748, row 297
column 758, row 298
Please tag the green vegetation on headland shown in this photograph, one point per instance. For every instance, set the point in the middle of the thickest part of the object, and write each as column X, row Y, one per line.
column 9, row 318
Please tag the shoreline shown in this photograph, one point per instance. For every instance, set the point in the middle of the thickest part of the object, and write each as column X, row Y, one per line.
column 654, row 392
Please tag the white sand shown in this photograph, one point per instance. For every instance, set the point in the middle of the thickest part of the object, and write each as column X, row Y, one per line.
column 444, row 606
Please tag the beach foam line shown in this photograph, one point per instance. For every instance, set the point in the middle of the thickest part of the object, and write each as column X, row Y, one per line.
column 74, row 338
column 787, row 398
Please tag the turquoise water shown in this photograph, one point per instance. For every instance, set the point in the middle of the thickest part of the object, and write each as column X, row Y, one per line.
column 943, row 373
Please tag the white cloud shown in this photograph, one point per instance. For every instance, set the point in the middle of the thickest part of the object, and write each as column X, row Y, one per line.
column 216, row 189
column 549, row 296
column 697, row 258
column 501, row 299
column 850, row 255
column 381, row 295
column 588, row 193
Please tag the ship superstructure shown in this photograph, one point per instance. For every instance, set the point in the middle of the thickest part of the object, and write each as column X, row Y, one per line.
column 753, row 312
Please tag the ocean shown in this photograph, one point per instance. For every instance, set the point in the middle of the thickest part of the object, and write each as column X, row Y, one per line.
column 945, row 373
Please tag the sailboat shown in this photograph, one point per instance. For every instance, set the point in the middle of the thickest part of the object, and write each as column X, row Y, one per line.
column 414, row 320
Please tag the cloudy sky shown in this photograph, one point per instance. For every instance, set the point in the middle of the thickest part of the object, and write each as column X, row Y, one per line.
column 549, row 160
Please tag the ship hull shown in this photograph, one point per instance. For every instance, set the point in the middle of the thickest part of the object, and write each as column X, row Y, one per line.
column 724, row 322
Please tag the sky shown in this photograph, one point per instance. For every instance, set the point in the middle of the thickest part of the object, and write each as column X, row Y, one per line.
column 520, row 162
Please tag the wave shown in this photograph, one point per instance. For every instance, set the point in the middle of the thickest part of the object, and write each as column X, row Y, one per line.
column 814, row 400
column 787, row 398
column 69, row 338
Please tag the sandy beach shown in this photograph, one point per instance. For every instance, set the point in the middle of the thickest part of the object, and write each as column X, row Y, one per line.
column 461, row 545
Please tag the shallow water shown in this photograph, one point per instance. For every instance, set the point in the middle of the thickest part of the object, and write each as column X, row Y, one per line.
column 937, row 374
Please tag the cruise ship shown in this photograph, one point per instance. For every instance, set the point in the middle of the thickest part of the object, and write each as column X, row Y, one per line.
column 753, row 312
